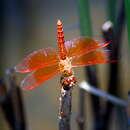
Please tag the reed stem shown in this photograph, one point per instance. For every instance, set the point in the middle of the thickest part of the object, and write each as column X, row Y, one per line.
column 86, row 30
column 112, row 9
column 113, row 35
column 127, row 8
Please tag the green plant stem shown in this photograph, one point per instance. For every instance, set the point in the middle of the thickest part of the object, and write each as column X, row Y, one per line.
column 86, row 30
column 84, row 17
column 112, row 10
column 114, row 36
column 127, row 8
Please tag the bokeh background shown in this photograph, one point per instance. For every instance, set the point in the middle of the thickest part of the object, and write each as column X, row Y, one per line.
column 28, row 25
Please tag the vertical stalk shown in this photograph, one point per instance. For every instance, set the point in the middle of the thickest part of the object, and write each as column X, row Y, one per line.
column 65, row 109
column 65, row 103
column 17, row 102
column 84, row 18
column 3, row 97
column 112, row 10
column 7, row 106
column 86, row 30
column 127, row 9
column 114, row 35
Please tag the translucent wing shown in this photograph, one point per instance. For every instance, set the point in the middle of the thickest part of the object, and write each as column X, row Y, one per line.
column 94, row 57
column 82, row 45
column 37, row 77
column 38, row 59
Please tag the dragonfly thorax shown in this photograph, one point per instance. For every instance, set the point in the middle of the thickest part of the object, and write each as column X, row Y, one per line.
column 65, row 67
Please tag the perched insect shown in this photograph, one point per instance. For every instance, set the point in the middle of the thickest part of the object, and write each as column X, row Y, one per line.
column 45, row 63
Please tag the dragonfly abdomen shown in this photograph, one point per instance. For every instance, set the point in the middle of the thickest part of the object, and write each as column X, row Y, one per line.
column 60, row 40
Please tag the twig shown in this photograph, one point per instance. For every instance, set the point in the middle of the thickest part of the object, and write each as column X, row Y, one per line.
column 65, row 109
column 7, row 106
column 16, row 98
column 114, row 35
column 84, row 85
column 65, row 106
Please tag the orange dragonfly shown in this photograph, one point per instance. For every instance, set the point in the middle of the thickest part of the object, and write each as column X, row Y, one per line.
column 47, row 62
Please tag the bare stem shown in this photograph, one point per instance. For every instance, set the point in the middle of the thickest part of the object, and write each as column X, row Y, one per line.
column 65, row 109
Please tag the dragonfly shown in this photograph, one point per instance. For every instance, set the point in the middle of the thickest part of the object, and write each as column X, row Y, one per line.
column 45, row 63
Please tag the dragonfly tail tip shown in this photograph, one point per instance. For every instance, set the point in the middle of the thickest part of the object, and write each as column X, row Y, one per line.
column 59, row 22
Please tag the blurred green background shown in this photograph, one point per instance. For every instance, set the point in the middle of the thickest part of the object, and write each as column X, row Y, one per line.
column 30, row 25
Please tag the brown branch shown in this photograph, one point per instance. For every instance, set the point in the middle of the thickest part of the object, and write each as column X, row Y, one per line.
column 65, row 109
column 65, row 105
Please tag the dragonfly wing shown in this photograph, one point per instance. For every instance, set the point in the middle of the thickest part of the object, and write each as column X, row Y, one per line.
column 37, row 77
column 38, row 59
column 82, row 45
column 94, row 57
